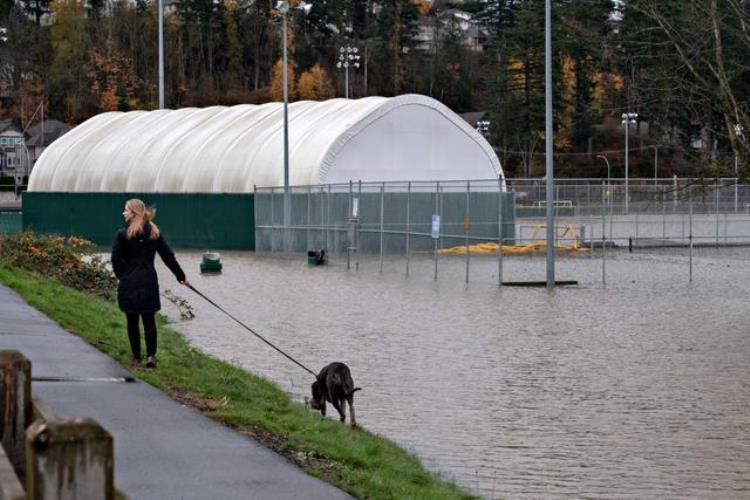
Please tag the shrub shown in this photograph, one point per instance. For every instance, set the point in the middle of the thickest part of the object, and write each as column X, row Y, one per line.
column 70, row 260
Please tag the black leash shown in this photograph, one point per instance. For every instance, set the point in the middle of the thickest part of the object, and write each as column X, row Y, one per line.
column 217, row 306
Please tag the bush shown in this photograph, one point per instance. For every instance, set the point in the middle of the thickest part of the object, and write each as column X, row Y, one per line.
column 70, row 260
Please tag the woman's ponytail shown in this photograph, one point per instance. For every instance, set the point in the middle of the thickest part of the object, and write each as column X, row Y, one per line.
column 141, row 215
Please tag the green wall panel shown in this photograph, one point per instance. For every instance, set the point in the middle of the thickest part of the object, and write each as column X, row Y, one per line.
column 196, row 220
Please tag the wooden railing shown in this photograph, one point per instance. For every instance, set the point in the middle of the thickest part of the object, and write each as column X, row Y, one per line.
column 43, row 457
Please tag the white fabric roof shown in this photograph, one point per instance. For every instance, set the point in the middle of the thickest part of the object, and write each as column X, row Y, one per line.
column 232, row 149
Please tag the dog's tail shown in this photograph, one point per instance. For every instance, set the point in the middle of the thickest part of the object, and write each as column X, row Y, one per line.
column 353, row 391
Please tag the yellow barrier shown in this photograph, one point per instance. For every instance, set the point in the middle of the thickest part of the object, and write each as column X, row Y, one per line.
column 534, row 246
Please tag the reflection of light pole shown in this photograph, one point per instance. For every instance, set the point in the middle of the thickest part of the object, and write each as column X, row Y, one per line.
column 627, row 120
column 348, row 56
column 283, row 8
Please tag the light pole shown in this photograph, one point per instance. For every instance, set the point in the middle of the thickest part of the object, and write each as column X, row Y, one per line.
column 283, row 8
column 549, row 159
column 608, row 169
column 609, row 176
column 627, row 120
column 161, row 53
column 348, row 56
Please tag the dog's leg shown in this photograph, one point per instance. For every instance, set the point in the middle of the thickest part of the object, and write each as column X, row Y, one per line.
column 337, row 405
column 323, row 409
column 351, row 412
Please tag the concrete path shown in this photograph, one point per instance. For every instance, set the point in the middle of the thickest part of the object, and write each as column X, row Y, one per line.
column 163, row 450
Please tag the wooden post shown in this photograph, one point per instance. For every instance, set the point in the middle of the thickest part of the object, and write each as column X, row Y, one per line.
column 15, row 406
column 69, row 460
column 10, row 486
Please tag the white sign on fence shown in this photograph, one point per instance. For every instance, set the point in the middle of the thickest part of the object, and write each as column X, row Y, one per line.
column 436, row 226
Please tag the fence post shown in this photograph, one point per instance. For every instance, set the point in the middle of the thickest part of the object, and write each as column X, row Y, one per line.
column 15, row 406
column 690, row 234
column 382, row 200
column 358, row 228
column 350, row 229
column 604, row 237
column 69, row 459
column 500, row 234
column 717, row 215
column 437, row 211
column 328, row 221
column 309, row 209
column 466, row 227
column 408, row 228
column 272, row 218
column 663, row 218
column 323, row 242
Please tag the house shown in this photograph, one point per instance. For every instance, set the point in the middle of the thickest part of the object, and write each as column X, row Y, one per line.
column 42, row 135
column 11, row 146
column 479, row 120
column 444, row 16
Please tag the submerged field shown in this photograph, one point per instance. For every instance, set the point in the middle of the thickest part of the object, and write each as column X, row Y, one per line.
column 634, row 389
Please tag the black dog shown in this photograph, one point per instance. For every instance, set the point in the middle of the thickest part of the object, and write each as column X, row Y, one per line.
column 335, row 385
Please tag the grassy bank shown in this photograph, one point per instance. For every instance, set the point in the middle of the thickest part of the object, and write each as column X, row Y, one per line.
column 356, row 461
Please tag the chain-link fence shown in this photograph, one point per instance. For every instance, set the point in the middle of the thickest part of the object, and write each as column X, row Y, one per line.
column 384, row 218
column 405, row 219
column 656, row 213
column 645, row 196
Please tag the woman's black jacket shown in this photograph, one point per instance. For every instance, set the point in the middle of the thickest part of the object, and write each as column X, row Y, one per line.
column 133, row 264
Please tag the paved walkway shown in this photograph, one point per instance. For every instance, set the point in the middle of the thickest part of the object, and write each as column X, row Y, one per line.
column 163, row 450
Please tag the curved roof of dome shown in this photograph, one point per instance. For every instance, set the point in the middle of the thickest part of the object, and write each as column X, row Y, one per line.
column 232, row 149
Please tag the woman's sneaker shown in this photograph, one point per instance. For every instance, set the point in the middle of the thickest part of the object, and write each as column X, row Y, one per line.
column 151, row 362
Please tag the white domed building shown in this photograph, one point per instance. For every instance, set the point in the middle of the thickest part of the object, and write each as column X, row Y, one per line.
column 233, row 150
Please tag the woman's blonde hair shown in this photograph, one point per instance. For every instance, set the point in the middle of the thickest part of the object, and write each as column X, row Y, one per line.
column 141, row 215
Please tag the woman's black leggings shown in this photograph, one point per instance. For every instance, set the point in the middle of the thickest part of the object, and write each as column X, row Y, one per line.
column 134, row 334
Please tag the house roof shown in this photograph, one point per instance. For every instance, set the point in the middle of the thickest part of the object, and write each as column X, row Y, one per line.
column 473, row 117
column 52, row 129
column 9, row 124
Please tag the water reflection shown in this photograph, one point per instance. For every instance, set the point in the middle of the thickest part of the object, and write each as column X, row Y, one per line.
column 637, row 389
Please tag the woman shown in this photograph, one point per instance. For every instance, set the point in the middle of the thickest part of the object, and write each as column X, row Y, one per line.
column 133, row 263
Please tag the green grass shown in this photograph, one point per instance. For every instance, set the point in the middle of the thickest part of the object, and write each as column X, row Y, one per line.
column 364, row 465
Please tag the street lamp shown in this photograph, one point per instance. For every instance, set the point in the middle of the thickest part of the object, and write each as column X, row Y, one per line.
column 283, row 8
column 627, row 120
column 609, row 188
column 608, row 169
column 348, row 56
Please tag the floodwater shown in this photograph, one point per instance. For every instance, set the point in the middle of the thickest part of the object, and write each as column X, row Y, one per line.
column 637, row 389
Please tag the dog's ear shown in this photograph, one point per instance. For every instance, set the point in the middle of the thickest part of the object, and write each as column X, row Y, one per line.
column 315, row 390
